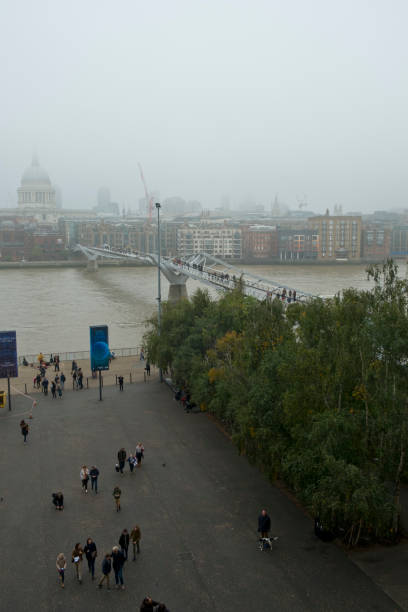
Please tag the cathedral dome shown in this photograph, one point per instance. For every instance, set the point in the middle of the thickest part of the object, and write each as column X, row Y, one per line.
column 35, row 175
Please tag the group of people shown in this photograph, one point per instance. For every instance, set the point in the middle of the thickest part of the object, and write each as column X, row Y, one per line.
column 41, row 381
column 114, row 560
column 86, row 474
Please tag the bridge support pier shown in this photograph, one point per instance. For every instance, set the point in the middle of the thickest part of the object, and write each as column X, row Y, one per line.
column 177, row 291
column 92, row 265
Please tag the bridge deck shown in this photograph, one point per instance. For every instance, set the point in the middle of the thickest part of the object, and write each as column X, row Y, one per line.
column 208, row 270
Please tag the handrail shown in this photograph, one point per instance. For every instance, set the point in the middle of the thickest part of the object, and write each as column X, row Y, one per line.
column 71, row 355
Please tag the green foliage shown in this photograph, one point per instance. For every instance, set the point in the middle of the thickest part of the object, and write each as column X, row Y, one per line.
column 315, row 394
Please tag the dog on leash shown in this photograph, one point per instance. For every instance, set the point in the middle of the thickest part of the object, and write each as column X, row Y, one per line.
column 266, row 543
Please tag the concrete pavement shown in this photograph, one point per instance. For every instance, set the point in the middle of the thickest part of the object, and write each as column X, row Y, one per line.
column 194, row 498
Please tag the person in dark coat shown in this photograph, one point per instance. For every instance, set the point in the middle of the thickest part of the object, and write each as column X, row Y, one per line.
column 94, row 473
column 106, row 570
column 264, row 524
column 90, row 553
column 121, row 459
column 120, row 381
column 117, row 564
column 148, row 604
column 58, row 500
column 124, row 543
column 24, row 430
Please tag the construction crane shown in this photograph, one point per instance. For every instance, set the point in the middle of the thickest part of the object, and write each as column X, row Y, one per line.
column 149, row 199
column 302, row 202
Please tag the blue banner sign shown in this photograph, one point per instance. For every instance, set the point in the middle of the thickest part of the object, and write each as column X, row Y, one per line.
column 100, row 352
column 8, row 355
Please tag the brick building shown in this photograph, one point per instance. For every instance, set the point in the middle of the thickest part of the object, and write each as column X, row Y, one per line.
column 375, row 242
column 260, row 243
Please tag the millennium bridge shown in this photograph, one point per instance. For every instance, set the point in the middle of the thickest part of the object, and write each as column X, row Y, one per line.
column 201, row 267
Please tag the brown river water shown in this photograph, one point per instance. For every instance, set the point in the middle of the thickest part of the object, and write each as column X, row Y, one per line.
column 52, row 309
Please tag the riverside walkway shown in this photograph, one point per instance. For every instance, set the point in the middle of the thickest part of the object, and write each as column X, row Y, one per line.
column 194, row 498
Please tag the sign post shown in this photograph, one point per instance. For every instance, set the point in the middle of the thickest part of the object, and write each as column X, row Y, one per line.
column 8, row 358
column 100, row 351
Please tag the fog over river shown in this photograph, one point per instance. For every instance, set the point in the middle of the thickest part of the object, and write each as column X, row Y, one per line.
column 52, row 309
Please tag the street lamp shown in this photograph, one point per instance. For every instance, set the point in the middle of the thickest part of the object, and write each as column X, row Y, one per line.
column 158, row 206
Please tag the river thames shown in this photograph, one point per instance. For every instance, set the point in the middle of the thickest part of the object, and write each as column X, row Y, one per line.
column 52, row 309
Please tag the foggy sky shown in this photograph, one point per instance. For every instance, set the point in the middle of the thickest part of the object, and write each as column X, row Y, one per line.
column 213, row 97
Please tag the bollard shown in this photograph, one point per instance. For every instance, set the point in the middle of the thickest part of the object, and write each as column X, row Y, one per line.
column 130, row 377
column 87, row 383
column 25, row 387
column 116, row 377
column 102, row 382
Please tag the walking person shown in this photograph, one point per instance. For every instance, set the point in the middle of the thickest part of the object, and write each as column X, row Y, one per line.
column 62, row 380
column 94, row 473
column 116, row 494
column 139, row 452
column 45, row 385
column 77, row 555
column 147, row 368
column 264, row 524
column 54, row 390
column 61, row 564
column 121, row 459
column 59, row 391
column 120, row 380
column 84, row 474
column 124, row 543
column 38, row 380
column 80, row 377
column 117, row 563
column 74, row 380
column 56, row 363
column 106, row 570
column 91, row 554
column 24, row 427
column 132, row 461
column 135, row 537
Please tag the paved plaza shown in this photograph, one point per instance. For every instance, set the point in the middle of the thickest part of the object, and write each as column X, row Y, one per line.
column 194, row 498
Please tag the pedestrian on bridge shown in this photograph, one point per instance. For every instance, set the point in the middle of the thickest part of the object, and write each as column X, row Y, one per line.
column 53, row 390
column 147, row 368
column 59, row 391
column 62, row 380
column 120, row 380
column 45, row 386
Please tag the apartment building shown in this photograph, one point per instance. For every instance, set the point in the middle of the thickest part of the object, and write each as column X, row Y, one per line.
column 220, row 241
column 339, row 237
